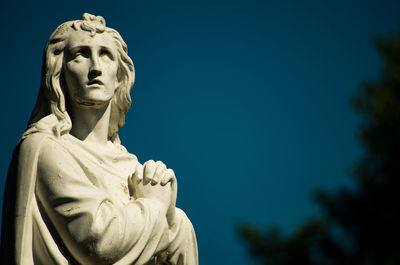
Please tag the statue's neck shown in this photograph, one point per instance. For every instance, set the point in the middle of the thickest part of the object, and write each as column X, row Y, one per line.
column 90, row 123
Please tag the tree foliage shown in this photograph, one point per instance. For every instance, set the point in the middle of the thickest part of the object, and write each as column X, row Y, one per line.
column 359, row 226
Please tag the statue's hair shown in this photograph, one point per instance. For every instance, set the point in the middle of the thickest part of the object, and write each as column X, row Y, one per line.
column 52, row 96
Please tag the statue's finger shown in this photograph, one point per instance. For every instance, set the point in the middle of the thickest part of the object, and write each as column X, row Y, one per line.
column 138, row 174
column 155, row 179
column 149, row 169
column 159, row 172
column 174, row 189
column 168, row 176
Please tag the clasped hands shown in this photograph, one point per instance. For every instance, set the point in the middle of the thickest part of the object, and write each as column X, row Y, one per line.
column 153, row 180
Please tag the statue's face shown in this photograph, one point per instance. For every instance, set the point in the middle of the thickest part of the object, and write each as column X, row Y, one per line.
column 90, row 68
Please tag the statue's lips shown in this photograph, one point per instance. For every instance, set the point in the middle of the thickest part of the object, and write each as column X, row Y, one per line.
column 95, row 83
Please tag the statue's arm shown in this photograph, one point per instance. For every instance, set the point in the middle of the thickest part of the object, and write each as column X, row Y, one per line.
column 91, row 226
column 183, row 246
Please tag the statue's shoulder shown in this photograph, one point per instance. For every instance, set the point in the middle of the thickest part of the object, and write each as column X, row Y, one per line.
column 39, row 132
column 37, row 144
column 34, row 141
column 45, row 151
column 27, row 151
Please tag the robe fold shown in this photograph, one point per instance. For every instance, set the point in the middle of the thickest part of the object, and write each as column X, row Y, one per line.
column 67, row 202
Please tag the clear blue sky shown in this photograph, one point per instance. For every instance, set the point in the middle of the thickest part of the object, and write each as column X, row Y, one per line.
column 248, row 101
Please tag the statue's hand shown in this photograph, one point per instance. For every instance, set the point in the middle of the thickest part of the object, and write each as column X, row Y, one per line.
column 146, row 182
column 153, row 180
column 169, row 177
column 166, row 177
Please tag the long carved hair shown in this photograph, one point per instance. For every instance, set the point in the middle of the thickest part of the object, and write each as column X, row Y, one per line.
column 50, row 113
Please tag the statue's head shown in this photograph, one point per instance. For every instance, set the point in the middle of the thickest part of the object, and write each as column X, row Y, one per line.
column 54, row 91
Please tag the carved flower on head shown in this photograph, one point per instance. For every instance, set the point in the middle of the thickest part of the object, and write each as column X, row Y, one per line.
column 93, row 24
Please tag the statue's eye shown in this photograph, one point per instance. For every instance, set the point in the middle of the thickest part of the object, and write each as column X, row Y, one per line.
column 106, row 53
column 82, row 52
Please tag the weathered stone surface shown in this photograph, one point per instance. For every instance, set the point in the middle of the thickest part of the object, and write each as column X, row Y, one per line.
column 74, row 194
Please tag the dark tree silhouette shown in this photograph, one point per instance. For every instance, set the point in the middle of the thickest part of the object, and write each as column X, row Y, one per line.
column 358, row 226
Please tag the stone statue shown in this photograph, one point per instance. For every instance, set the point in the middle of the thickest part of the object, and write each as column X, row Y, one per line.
column 74, row 195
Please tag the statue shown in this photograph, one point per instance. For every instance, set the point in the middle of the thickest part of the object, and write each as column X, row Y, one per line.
column 74, row 195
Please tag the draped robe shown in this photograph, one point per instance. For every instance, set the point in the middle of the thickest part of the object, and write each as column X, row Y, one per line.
column 67, row 202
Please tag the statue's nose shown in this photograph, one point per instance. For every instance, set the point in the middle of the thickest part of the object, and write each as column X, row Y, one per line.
column 95, row 69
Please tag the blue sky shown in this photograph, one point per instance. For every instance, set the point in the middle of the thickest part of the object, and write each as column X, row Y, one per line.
column 248, row 101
